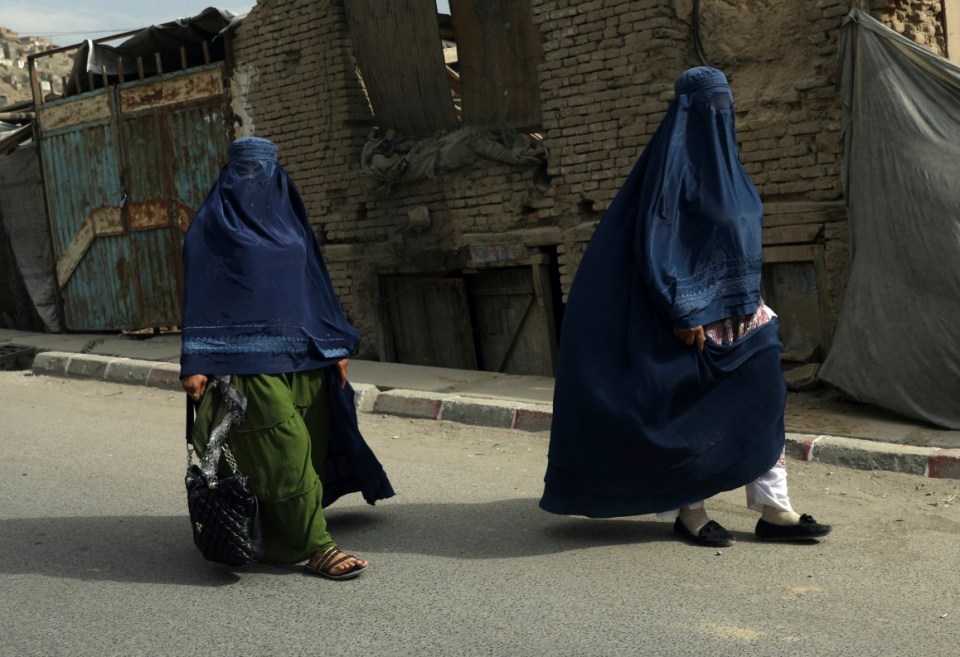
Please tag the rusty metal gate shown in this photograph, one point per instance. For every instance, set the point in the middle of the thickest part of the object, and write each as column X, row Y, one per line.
column 124, row 168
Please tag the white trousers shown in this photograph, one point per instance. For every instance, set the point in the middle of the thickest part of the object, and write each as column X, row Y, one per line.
column 768, row 489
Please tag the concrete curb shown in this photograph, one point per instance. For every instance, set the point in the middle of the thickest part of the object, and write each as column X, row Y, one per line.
column 855, row 453
column 108, row 368
column 933, row 462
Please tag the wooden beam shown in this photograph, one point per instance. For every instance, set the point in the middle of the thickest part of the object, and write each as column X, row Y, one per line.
column 409, row 93
column 796, row 234
column 499, row 49
column 797, row 253
column 35, row 82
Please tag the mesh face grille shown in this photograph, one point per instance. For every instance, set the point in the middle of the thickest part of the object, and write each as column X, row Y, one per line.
column 698, row 78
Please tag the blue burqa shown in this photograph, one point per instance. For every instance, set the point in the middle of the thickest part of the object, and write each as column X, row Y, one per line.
column 642, row 422
column 258, row 300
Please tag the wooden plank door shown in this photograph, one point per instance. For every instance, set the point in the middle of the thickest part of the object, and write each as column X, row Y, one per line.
column 515, row 321
column 428, row 322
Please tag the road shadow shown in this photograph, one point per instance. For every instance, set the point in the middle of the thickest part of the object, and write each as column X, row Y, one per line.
column 159, row 549
column 491, row 530
column 148, row 549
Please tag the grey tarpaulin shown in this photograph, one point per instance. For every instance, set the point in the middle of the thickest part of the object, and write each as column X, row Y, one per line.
column 23, row 221
column 897, row 343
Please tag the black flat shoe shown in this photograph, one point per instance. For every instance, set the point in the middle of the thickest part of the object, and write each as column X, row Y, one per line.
column 710, row 535
column 807, row 529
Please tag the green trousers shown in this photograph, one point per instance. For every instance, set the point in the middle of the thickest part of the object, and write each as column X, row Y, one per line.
column 280, row 445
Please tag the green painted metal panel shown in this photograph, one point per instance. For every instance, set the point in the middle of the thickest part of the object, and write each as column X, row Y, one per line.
column 121, row 189
column 82, row 175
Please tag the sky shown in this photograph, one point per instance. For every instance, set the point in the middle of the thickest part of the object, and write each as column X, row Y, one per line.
column 66, row 22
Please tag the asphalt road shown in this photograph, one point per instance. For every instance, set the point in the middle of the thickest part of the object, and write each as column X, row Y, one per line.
column 96, row 558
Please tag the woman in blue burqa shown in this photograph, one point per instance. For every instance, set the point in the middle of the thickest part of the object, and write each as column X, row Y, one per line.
column 261, row 320
column 669, row 388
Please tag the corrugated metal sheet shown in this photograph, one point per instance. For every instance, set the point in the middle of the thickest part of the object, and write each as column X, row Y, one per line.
column 82, row 179
column 199, row 143
column 86, row 109
column 121, row 190
column 171, row 90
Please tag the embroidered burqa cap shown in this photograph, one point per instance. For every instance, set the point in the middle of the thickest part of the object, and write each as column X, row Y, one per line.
column 642, row 422
column 252, row 148
column 697, row 79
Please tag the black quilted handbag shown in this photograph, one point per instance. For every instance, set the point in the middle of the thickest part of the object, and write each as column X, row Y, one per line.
column 223, row 510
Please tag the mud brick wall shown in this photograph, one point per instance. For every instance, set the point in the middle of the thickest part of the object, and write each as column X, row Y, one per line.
column 607, row 80
column 605, row 83
column 921, row 21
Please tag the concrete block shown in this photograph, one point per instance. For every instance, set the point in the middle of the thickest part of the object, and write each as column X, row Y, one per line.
column 365, row 396
column 868, row 455
column 479, row 412
column 165, row 375
column 944, row 464
column 797, row 445
column 533, row 418
column 128, row 370
column 52, row 363
column 409, row 403
column 89, row 366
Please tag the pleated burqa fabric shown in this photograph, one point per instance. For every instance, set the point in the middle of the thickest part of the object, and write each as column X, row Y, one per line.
column 642, row 422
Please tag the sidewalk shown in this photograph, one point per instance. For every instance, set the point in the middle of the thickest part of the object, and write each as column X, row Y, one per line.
column 820, row 425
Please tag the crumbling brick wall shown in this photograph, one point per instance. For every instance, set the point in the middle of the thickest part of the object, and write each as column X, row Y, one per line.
column 605, row 82
column 294, row 83
column 921, row 21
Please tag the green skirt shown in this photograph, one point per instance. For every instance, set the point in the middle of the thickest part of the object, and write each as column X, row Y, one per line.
column 280, row 445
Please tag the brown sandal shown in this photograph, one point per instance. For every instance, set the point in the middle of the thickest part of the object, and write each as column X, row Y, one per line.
column 323, row 563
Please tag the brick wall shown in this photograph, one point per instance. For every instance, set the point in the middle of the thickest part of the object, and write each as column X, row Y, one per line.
column 921, row 21
column 294, row 83
column 605, row 81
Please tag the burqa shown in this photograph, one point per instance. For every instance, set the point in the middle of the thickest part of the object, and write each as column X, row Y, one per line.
column 258, row 300
column 642, row 422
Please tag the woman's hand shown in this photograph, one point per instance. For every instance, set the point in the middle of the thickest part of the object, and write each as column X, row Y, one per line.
column 690, row 336
column 194, row 385
column 342, row 370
